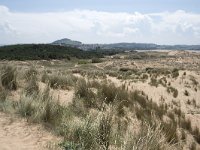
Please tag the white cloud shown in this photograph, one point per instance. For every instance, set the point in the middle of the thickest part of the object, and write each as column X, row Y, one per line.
column 89, row 26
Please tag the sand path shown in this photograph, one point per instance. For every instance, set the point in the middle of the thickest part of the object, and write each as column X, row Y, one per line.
column 18, row 134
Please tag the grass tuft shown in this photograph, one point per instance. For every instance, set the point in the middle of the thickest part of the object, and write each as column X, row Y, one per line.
column 8, row 78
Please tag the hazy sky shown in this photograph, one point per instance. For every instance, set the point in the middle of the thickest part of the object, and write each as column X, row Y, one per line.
column 100, row 21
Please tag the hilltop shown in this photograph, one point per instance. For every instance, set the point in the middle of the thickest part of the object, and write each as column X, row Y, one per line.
column 66, row 41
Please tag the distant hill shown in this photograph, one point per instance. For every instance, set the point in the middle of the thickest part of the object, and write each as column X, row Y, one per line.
column 123, row 46
column 66, row 41
column 44, row 51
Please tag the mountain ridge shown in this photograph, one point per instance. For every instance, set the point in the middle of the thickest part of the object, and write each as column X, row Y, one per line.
column 123, row 46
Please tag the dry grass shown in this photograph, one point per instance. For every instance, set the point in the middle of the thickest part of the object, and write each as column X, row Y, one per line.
column 41, row 108
column 56, row 81
column 8, row 78
column 101, row 114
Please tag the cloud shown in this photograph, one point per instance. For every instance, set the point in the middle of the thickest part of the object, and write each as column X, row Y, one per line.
column 91, row 26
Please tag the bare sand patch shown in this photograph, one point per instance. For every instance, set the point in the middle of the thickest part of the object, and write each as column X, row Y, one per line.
column 18, row 134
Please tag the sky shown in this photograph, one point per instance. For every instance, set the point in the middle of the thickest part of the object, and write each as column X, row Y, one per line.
column 100, row 21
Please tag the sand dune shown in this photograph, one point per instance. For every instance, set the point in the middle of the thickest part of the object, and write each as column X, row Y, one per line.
column 17, row 134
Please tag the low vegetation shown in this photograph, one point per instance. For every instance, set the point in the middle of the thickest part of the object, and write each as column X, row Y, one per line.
column 102, row 114
column 172, row 90
column 8, row 78
column 56, row 81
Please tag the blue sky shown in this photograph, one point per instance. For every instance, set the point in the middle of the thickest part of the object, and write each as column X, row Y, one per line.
column 144, row 6
column 100, row 21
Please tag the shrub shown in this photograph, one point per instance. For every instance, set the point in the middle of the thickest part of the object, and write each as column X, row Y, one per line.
column 124, row 69
column 186, row 93
column 194, row 81
column 144, row 76
column 175, row 73
column 154, row 82
column 80, row 62
column 163, row 81
column 172, row 90
column 8, row 78
column 96, row 60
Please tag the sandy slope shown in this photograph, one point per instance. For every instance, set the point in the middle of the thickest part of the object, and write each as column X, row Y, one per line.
column 17, row 134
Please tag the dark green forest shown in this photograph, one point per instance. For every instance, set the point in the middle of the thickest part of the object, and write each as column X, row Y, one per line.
column 46, row 52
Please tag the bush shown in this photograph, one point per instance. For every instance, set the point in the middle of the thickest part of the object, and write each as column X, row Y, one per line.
column 172, row 90
column 186, row 93
column 8, row 78
column 163, row 81
column 96, row 60
column 175, row 73
column 154, row 82
column 80, row 62
column 144, row 76
column 194, row 81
